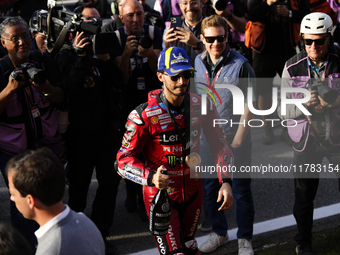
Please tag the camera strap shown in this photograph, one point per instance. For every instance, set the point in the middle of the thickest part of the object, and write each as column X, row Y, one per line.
column 61, row 38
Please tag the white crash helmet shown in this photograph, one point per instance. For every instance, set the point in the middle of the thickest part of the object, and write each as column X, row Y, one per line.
column 316, row 23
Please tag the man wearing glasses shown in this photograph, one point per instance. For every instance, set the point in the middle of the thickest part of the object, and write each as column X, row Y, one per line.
column 218, row 64
column 27, row 118
column 159, row 129
column 317, row 68
column 187, row 36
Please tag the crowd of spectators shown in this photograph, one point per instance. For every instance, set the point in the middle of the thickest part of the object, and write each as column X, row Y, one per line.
column 78, row 103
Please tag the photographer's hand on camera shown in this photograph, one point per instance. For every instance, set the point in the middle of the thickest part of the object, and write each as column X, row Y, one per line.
column 130, row 46
column 80, row 43
column 283, row 11
column 15, row 84
column 170, row 37
column 314, row 100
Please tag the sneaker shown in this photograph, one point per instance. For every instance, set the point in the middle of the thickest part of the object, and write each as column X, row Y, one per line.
column 304, row 249
column 245, row 247
column 214, row 241
column 268, row 136
column 206, row 224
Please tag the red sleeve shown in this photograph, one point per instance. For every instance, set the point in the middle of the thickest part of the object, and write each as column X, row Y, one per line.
column 136, row 136
column 219, row 146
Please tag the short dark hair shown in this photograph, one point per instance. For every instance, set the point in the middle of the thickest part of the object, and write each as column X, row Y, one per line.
column 12, row 21
column 38, row 173
column 12, row 242
column 79, row 9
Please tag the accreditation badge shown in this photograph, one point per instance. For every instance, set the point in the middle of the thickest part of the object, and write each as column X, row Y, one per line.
column 193, row 160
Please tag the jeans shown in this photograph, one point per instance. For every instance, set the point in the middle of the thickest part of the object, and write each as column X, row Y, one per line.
column 241, row 186
column 24, row 226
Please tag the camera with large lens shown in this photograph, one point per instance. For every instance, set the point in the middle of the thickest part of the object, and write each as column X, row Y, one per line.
column 281, row 2
column 58, row 24
column 328, row 94
column 31, row 72
column 145, row 41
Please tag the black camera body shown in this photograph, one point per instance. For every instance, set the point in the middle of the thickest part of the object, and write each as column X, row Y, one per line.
column 281, row 2
column 61, row 19
column 328, row 94
column 145, row 41
column 31, row 72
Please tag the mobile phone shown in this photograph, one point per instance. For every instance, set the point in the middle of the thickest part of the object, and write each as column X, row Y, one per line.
column 176, row 22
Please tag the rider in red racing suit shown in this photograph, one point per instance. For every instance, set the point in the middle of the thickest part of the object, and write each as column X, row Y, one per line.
column 149, row 129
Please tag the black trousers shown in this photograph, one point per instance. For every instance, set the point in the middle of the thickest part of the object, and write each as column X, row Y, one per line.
column 306, row 185
column 85, row 152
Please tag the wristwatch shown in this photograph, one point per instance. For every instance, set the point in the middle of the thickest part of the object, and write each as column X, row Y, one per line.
column 199, row 46
column 290, row 15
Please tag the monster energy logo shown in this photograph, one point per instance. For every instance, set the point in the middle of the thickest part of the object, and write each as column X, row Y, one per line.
column 173, row 160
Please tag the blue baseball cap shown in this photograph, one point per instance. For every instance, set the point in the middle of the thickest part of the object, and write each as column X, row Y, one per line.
column 173, row 61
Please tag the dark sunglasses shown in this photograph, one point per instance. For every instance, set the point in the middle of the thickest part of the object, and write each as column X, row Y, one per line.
column 211, row 39
column 186, row 75
column 320, row 41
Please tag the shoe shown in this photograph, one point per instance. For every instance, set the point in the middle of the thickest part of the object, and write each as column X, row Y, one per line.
column 268, row 136
column 206, row 224
column 214, row 241
column 110, row 248
column 304, row 249
column 245, row 247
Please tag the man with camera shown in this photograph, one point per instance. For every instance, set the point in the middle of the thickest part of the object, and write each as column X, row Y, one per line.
column 315, row 136
column 93, row 134
column 29, row 83
column 281, row 19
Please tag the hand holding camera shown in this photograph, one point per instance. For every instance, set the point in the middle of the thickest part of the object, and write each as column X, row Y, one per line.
column 314, row 100
column 131, row 45
column 16, row 80
column 80, row 43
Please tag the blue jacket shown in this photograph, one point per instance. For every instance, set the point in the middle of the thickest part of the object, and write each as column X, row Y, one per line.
column 230, row 63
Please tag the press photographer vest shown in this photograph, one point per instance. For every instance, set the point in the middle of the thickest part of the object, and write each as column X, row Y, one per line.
column 299, row 73
column 19, row 130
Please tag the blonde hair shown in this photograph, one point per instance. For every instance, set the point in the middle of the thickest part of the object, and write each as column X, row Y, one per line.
column 214, row 21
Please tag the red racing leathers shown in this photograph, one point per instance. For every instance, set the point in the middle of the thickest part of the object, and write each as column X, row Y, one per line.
column 149, row 129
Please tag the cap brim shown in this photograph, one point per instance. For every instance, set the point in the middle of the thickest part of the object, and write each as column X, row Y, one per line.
column 172, row 72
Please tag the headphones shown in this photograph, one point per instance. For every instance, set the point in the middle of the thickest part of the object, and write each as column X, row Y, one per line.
column 114, row 7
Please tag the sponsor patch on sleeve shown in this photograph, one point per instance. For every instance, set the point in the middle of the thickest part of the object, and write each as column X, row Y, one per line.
column 135, row 118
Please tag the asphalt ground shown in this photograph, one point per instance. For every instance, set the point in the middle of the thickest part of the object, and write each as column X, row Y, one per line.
column 273, row 198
